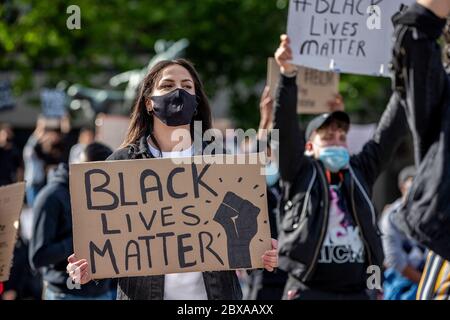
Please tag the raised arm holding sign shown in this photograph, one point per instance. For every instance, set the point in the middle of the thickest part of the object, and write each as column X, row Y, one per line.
column 325, row 245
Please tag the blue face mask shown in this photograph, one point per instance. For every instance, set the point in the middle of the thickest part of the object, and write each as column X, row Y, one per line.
column 272, row 174
column 334, row 158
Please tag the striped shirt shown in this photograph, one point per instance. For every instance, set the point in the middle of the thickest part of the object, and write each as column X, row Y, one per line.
column 435, row 282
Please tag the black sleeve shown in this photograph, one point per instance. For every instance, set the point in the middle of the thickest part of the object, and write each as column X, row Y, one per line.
column 18, row 273
column 45, row 249
column 378, row 152
column 419, row 73
column 291, row 141
column 37, row 147
column 67, row 144
column 120, row 154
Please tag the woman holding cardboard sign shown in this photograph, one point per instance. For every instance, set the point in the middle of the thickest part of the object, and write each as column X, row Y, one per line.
column 171, row 98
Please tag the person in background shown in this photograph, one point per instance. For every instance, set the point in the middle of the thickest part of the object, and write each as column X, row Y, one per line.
column 23, row 283
column 329, row 234
column 52, row 241
column 404, row 257
column 50, row 149
column 262, row 284
column 11, row 170
column 35, row 165
column 86, row 136
column 10, row 160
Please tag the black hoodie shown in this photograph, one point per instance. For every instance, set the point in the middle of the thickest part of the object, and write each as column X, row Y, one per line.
column 51, row 243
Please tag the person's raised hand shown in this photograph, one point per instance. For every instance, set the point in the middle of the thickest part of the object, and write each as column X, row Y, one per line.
column 283, row 55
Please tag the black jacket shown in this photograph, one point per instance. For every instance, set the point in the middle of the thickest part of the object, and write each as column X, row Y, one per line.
column 305, row 205
column 220, row 285
column 51, row 242
column 424, row 85
column 263, row 284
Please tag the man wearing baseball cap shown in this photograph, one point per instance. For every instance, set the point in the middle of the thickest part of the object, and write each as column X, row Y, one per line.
column 329, row 241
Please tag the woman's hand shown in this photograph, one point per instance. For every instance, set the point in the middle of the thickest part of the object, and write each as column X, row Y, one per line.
column 78, row 270
column 270, row 257
column 283, row 55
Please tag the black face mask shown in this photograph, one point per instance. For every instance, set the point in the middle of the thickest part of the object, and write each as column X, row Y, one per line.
column 176, row 108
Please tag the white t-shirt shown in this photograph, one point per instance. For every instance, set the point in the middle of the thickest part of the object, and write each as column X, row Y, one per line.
column 188, row 285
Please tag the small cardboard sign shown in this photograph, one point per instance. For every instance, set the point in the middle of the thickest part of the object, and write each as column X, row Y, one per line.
column 346, row 36
column 11, row 201
column 160, row 216
column 315, row 88
column 53, row 103
column 6, row 96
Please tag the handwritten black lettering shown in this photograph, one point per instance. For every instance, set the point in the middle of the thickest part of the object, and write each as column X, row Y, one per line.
column 105, row 228
column 101, row 189
column 203, row 246
column 107, row 248
column 197, row 180
column 136, row 254
column 170, row 189
column 164, row 236
column 146, row 224
column 147, row 240
column 144, row 189
column 123, row 201
column 190, row 215
column 164, row 222
column 183, row 249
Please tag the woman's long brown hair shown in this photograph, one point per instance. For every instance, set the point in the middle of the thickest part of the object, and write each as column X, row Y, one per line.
column 142, row 123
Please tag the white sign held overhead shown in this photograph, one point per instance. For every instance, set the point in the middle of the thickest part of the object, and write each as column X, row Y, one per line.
column 350, row 36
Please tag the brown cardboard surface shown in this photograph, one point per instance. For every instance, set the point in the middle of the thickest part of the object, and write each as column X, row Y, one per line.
column 315, row 88
column 11, row 201
column 189, row 216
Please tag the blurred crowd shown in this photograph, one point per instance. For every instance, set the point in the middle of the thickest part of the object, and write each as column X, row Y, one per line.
column 319, row 195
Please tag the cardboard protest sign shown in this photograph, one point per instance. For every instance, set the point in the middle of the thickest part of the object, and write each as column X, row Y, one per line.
column 11, row 200
column 159, row 216
column 6, row 96
column 351, row 36
column 53, row 103
column 315, row 88
column 111, row 129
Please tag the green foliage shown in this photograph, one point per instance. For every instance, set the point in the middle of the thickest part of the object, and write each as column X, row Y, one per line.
column 230, row 41
column 365, row 97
